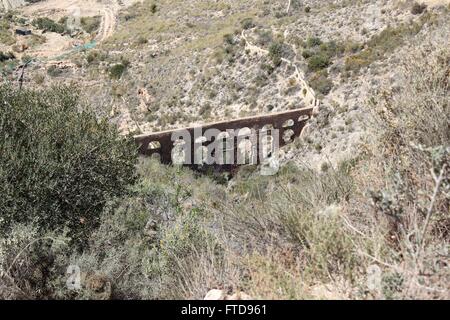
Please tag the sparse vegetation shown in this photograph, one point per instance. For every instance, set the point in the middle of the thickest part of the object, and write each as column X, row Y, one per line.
column 318, row 62
column 381, row 44
column 247, row 23
column 321, row 83
column 359, row 208
column 90, row 24
column 418, row 8
column 276, row 53
column 313, row 42
column 153, row 8
column 6, row 56
column 57, row 176
column 95, row 56
column 6, row 36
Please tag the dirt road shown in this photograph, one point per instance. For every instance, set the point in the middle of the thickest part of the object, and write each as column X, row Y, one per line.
column 108, row 24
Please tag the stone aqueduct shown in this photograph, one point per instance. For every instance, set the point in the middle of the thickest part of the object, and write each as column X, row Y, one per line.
column 289, row 125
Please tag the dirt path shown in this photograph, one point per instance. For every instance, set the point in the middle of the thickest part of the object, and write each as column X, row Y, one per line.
column 11, row 4
column 109, row 19
column 307, row 93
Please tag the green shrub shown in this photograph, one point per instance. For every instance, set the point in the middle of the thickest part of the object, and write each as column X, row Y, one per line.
column 276, row 52
column 318, row 62
column 149, row 243
column 381, row 44
column 321, row 83
column 418, row 8
column 320, row 54
column 90, row 24
column 264, row 38
column 142, row 40
column 117, row 70
column 306, row 54
column 6, row 56
column 247, row 23
column 331, row 48
column 59, row 163
column 412, row 194
column 296, row 206
column 27, row 262
column 96, row 55
column 153, row 8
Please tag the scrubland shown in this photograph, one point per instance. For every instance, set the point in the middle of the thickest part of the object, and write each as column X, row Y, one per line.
column 358, row 210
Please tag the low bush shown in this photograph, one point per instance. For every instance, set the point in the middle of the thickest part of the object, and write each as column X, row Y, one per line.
column 321, row 83
column 54, row 71
column 313, row 42
column 90, row 24
column 153, row 8
column 151, row 244
column 28, row 266
column 411, row 195
column 247, row 23
column 95, row 56
column 382, row 44
column 6, row 56
column 59, row 163
column 276, row 53
column 319, row 54
column 265, row 38
column 306, row 54
column 418, row 8
column 47, row 24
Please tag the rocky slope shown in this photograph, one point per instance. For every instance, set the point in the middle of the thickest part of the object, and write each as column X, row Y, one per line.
column 168, row 64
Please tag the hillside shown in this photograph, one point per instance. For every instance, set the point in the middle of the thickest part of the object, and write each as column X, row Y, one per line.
column 360, row 206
